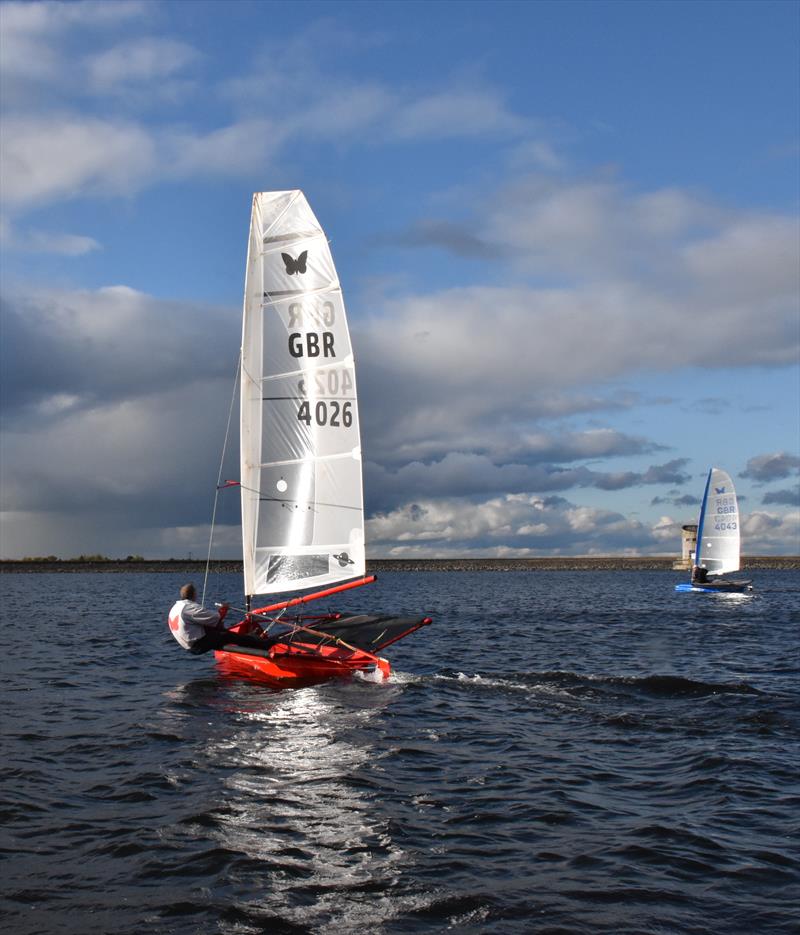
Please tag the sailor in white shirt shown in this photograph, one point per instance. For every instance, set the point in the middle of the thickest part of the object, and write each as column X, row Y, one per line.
column 198, row 629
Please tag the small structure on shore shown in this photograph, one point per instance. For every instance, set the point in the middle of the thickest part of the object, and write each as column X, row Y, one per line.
column 688, row 547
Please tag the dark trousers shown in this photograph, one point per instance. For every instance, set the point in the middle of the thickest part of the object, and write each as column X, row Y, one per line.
column 217, row 639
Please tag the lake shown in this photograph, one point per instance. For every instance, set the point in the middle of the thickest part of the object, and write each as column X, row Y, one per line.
column 560, row 752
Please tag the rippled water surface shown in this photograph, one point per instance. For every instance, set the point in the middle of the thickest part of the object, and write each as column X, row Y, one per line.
column 558, row 753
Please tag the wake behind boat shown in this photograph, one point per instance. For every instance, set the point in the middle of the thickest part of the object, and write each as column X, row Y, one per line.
column 718, row 539
column 300, row 458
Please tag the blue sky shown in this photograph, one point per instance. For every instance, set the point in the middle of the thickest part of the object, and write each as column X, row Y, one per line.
column 567, row 235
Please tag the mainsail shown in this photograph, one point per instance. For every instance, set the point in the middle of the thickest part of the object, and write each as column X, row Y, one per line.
column 718, row 529
column 301, row 488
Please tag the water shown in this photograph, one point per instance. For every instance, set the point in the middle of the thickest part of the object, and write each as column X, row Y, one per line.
column 558, row 753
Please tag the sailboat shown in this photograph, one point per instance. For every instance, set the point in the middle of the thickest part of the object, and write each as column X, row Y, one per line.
column 718, row 541
column 300, row 459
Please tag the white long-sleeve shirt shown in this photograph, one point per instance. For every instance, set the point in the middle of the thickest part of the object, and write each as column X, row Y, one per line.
column 188, row 621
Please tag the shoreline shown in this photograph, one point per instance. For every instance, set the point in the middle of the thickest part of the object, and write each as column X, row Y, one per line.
column 375, row 566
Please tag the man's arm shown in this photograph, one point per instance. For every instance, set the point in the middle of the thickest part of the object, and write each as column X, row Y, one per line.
column 203, row 616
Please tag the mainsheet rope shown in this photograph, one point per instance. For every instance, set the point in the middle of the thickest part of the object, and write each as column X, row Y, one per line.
column 219, row 476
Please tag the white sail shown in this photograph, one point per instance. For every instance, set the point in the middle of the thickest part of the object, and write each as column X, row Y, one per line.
column 718, row 529
column 301, row 487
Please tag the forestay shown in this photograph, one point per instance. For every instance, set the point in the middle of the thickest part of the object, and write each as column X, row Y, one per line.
column 301, row 487
column 718, row 530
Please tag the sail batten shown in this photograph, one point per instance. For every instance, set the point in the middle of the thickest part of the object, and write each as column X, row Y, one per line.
column 319, row 459
column 288, row 238
column 302, row 501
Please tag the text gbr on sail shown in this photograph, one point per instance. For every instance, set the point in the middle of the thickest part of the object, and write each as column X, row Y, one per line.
column 309, row 344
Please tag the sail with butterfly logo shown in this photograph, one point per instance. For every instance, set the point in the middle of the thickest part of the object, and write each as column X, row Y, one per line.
column 718, row 537
column 302, row 504
column 300, row 460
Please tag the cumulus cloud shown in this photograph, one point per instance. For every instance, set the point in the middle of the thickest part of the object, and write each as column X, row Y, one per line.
column 512, row 525
column 39, row 241
column 37, row 43
column 455, row 113
column 788, row 497
column 227, row 150
column 767, row 533
column 327, row 103
column 469, row 394
column 94, row 348
column 467, row 376
column 682, row 500
column 137, row 61
column 495, row 357
column 109, row 435
column 62, row 155
column 524, row 525
column 465, row 474
column 65, row 156
column 56, row 151
column 770, row 467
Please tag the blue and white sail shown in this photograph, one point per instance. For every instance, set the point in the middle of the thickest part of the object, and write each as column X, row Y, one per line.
column 301, row 478
column 718, row 543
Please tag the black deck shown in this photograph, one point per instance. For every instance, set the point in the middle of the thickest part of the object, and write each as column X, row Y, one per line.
column 364, row 631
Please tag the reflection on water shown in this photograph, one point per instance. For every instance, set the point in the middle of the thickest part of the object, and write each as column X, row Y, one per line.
column 297, row 806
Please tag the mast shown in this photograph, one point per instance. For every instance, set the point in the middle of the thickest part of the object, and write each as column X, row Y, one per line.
column 702, row 519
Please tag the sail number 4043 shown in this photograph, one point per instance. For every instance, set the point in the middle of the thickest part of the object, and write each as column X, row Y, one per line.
column 720, row 526
column 326, row 413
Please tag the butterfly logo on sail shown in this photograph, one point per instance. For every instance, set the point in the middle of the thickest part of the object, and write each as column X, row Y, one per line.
column 295, row 265
column 719, row 490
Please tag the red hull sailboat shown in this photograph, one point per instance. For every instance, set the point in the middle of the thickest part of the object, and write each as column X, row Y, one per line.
column 300, row 459
column 316, row 648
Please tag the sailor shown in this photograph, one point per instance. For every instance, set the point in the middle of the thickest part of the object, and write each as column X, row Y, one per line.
column 199, row 629
column 699, row 574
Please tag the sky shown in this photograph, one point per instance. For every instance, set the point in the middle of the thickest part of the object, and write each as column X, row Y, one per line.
column 567, row 235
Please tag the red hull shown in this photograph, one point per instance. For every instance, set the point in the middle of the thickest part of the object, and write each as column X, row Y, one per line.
column 298, row 666
column 317, row 653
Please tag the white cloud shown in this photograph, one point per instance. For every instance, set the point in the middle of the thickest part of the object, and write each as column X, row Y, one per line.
column 33, row 50
column 593, row 228
column 497, row 357
column 751, row 259
column 455, row 112
column 52, row 151
column 766, row 533
column 139, row 61
column 513, row 524
column 536, row 154
column 301, row 83
column 466, row 390
column 338, row 112
column 64, row 244
column 777, row 465
column 526, row 525
column 63, row 156
column 38, row 241
column 227, row 150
